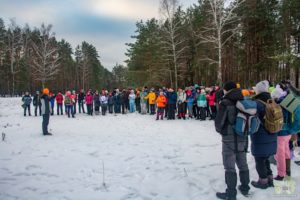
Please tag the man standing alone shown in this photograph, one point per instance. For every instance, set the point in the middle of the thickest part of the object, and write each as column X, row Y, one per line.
column 46, row 110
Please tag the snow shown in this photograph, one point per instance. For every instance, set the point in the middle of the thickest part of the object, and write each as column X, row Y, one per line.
column 143, row 159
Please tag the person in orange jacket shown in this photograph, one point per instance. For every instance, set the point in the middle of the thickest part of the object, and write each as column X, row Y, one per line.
column 161, row 104
column 151, row 99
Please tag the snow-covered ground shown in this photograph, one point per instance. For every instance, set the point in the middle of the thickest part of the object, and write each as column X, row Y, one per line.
column 143, row 159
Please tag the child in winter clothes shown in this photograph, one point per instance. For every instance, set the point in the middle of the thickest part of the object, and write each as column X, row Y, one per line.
column 81, row 99
column 211, row 102
column 172, row 100
column 201, row 103
column 161, row 104
column 37, row 103
column 151, row 99
column 138, row 101
column 263, row 143
column 190, row 102
column 89, row 103
column 97, row 104
column 59, row 101
column 180, row 102
column 110, row 103
column 104, row 102
column 117, row 101
column 74, row 100
column 26, row 103
column 69, row 104
column 131, row 98
column 52, row 101
column 143, row 102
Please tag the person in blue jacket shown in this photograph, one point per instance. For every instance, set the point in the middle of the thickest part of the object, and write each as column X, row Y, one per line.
column 26, row 99
column 263, row 143
column 172, row 100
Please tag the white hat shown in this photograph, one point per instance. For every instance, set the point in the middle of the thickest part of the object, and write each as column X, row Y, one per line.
column 261, row 87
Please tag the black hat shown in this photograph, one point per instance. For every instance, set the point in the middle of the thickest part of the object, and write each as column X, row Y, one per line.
column 229, row 85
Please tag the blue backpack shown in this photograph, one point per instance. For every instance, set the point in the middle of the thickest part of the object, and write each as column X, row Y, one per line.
column 247, row 122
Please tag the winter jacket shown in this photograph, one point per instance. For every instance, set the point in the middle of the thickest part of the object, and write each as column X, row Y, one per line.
column 26, row 100
column 68, row 101
column 36, row 100
column 161, row 101
column 52, row 101
column 190, row 98
column 117, row 99
column 143, row 95
column 59, row 98
column 201, row 100
column 89, row 99
column 172, row 97
column 45, row 105
column 110, row 100
column 211, row 98
column 132, row 98
column 104, row 100
column 181, row 97
column 225, row 120
column 81, row 97
column 96, row 99
column 151, row 98
column 263, row 143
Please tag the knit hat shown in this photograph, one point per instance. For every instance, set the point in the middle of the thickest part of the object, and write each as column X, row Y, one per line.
column 46, row 91
column 229, row 86
column 245, row 93
column 261, row 87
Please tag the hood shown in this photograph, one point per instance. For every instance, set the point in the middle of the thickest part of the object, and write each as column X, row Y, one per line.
column 234, row 95
column 264, row 96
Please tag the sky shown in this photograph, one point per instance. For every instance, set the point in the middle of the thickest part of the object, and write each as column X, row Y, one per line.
column 107, row 24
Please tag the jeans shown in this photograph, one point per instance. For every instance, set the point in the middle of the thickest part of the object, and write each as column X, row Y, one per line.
column 132, row 106
column 27, row 107
column 45, row 123
column 59, row 107
column 70, row 110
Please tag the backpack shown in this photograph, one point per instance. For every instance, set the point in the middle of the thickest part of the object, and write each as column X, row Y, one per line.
column 274, row 117
column 247, row 122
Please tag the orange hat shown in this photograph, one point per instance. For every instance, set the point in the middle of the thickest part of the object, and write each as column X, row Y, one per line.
column 245, row 93
column 46, row 91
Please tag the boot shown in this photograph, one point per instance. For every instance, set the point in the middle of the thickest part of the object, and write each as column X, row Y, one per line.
column 245, row 180
column 231, row 181
column 288, row 167
column 270, row 181
column 279, row 178
column 262, row 183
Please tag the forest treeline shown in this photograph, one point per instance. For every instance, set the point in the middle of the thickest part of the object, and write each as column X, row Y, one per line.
column 214, row 41
column 210, row 42
column 31, row 59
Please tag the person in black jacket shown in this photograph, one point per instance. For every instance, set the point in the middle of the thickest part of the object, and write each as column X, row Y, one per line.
column 234, row 147
column 37, row 103
column 46, row 110
column 263, row 143
column 81, row 97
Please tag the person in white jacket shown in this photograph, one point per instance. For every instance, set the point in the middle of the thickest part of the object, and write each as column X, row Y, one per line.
column 181, row 102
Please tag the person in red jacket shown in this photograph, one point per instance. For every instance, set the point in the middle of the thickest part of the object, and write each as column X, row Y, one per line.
column 59, row 101
column 211, row 97
column 89, row 103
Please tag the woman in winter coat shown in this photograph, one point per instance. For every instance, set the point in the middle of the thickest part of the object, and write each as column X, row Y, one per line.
column 26, row 99
column 96, row 99
column 89, row 103
column 201, row 103
column 138, row 101
column 233, row 146
column 181, row 103
column 131, row 98
column 104, row 102
column 172, row 100
column 263, row 143
column 117, row 101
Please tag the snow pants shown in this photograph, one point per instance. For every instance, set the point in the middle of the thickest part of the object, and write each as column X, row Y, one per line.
column 283, row 153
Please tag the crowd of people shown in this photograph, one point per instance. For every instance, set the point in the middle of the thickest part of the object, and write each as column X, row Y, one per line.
column 275, row 134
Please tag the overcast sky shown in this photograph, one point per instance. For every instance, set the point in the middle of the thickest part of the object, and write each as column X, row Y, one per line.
column 107, row 24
